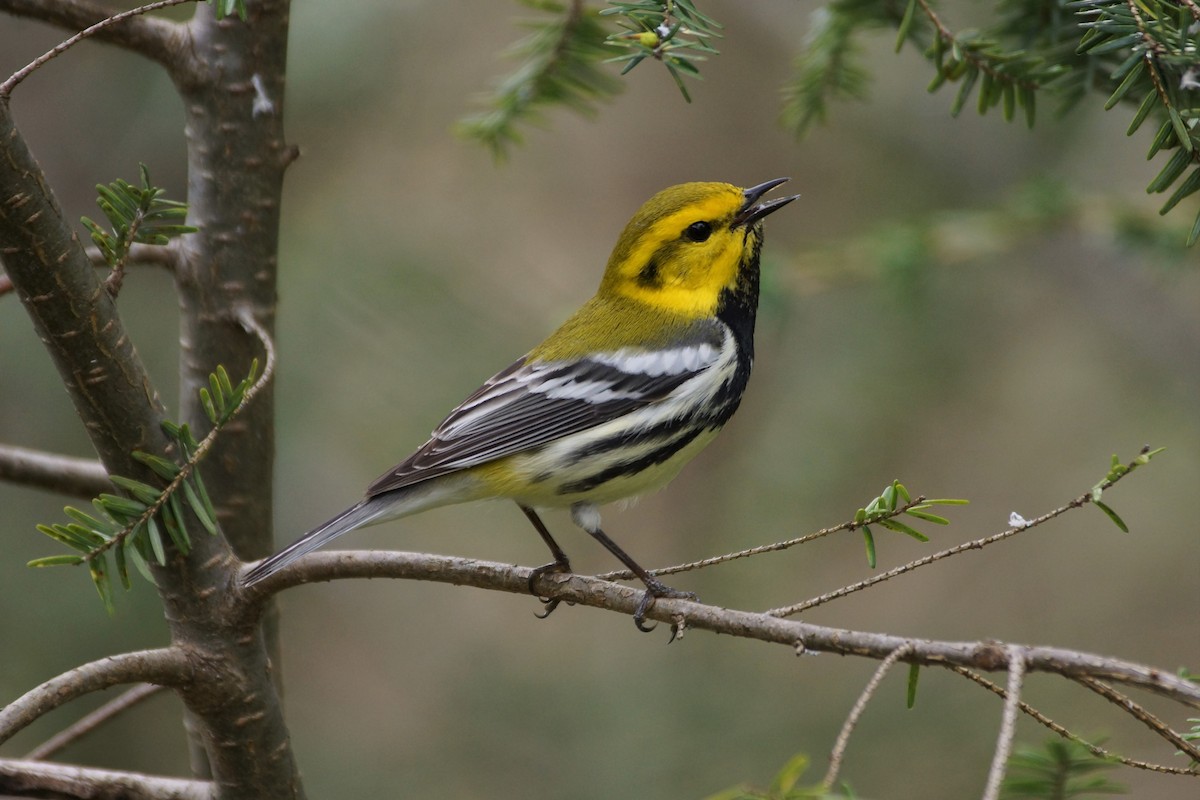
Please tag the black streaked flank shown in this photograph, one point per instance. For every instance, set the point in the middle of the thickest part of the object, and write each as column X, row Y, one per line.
column 653, row 458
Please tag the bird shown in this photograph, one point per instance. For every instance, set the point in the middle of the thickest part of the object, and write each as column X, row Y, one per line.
column 615, row 401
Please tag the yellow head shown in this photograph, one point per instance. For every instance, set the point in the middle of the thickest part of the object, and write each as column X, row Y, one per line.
column 688, row 244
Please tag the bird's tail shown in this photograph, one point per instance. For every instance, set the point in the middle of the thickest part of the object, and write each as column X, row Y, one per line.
column 379, row 508
column 354, row 517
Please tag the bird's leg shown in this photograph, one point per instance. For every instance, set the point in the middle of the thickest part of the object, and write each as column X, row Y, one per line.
column 560, row 563
column 586, row 517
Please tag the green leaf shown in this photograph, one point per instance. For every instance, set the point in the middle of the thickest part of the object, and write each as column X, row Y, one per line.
column 205, row 501
column 1181, row 131
column 125, row 507
column 156, row 542
column 147, row 494
column 176, row 527
column 1010, row 101
column 900, row 527
column 99, row 571
column 1123, row 89
column 1174, row 168
column 964, row 90
column 1028, row 100
column 1118, row 43
column 1164, row 138
column 1189, row 185
column 934, row 518
column 218, row 394
column 1120, row 523
column 199, row 509
column 787, row 777
column 161, row 466
column 55, row 561
column 223, row 376
column 210, row 410
column 122, row 572
column 870, row 542
column 89, row 521
column 1148, row 104
column 86, row 534
column 139, row 561
column 889, row 497
column 60, row 534
column 905, row 24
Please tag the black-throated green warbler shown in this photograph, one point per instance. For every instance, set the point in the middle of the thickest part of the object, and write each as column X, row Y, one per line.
column 616, row 400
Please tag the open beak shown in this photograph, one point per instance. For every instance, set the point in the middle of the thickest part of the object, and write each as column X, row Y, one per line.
column 750, row 213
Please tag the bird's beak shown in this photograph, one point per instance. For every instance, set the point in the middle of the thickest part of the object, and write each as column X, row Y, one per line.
column 750, row 213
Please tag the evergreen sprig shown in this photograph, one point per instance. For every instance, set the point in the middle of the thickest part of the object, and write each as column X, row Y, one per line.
column 1150, row 50
column 1060, row 770
column 1143, row 53
column 131, row 527
column 1115, row 472
column 674, row 33
column 562, row 65
column 891, row 503
column 136, row 214
column 829, row 66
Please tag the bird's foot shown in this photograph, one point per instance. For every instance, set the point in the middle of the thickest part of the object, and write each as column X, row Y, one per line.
column 554, row 567
column 654, row 590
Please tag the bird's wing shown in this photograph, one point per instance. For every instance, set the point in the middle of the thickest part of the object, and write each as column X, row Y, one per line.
column 532, row 403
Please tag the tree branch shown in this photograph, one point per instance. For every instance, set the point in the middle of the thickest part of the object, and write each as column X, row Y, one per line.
column 1008, row 724
column 860, row 705
column 166, row 666
column 160, row 40
column 78, row 477
column 73, row 315
column 1042, row 719
column 161, row 255
column 580, row 590
column 40, row 779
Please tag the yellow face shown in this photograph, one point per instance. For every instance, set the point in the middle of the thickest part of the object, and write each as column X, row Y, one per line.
column 682, row 249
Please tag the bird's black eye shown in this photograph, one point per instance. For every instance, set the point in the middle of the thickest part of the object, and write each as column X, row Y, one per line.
column 698, row 232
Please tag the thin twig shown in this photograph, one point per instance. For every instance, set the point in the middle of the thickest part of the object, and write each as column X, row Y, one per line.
column 163, row 255
column 78, row 477
column 860, row 705
column 1140, row 714
column 166, row 666
column 1008, row 723
column 20, row 778
column 976, row 544
column 7, row 87
column 946, row 35
column 585, row 591
column 246, row 317
column 621, row 575
column 90, row 722
column 1094, row 749
column 159, row 39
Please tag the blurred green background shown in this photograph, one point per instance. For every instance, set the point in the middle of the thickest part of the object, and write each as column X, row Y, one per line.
column 1007, row 371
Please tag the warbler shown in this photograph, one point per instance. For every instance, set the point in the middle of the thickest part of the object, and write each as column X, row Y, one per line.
column 614, row 402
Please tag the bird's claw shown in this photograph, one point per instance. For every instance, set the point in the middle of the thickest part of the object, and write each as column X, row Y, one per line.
column 654, row 590
column 548, row 604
